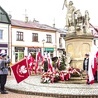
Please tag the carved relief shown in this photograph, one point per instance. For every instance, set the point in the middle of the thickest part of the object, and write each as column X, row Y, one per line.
column 85, row 48
column 70, row 49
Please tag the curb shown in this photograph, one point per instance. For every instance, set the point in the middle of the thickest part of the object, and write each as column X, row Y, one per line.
column 51, row 94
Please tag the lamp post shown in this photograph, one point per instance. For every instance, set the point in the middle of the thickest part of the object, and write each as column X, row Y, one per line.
column 43, row 41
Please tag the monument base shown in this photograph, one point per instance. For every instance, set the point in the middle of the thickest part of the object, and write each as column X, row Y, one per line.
column 77, row 45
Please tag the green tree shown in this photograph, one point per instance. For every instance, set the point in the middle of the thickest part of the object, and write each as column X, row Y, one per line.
column 62, row 63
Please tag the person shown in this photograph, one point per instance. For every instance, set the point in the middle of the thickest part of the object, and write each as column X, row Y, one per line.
column 8, row 62
column 85, row 66
column 0, row 78
column 78, row 17
column 45, row 65
column 3, row 73
column 70, row 13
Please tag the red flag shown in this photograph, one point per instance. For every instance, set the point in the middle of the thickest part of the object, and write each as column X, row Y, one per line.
column 39, row 58
column 50, row 67
column 20, row 70
column 92, row 63
column 31, row 62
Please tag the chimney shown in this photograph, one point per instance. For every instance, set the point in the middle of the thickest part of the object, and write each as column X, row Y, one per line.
column 35, row 21
column 10, row 16
column 54, row 25
column 26, row 18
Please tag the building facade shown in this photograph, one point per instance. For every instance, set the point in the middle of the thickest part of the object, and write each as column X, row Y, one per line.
column 31, row 37
column 19, row 38
column 60, row 42
column 5, row 27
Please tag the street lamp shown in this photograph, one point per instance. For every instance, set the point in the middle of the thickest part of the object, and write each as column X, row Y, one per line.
column 43, row 41
column 55, row 47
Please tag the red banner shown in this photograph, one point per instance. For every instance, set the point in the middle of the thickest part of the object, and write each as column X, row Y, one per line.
column 20, row 70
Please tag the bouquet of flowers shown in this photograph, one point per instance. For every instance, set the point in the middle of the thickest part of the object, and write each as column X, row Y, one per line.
column 56, row 77
column 50, row 77
column 75, row 72
column 64, row 75
column 46, row 78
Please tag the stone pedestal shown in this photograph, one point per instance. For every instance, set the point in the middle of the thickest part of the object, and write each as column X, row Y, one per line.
column 77, row 45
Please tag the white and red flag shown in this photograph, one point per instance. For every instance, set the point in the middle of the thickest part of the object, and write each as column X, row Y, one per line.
column 20, row 70
column 31, row 62
column 50, row 67
column 92, row 63
column 39, row 61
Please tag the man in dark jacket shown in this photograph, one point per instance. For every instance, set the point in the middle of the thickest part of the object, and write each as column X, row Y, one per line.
column 45, row 65
column 3, row 73
column 86, row 64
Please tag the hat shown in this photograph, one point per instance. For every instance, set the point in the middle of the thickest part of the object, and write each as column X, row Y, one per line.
column 0, row 54
column 86, row 54
column 3, row 54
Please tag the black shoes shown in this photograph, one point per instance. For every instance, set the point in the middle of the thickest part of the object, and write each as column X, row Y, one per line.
column 4, row 92
column 88, row 83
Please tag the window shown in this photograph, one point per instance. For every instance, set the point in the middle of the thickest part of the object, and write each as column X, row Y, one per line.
column 60, row 42
column 49, row 38
column 19, row 36
column 35, row 37
column 1, row 34
column 62, row 35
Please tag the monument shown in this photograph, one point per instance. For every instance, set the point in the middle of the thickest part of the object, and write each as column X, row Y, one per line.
column 78, row 37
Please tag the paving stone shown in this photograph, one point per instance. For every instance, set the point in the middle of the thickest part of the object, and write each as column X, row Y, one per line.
column 32, row 85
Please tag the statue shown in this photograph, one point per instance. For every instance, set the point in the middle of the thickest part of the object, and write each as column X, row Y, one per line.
column 78, row 18
column 86, row 21
column 70, row 13
column 74, row 19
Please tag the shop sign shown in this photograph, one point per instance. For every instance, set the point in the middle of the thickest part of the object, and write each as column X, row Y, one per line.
column 49, row 49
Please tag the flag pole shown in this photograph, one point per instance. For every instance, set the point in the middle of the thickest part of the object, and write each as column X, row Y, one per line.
column 97, row 72
column 28, row 66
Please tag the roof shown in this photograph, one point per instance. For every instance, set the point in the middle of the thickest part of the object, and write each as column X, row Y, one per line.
column 4, row 16
column 33, row 25
column 60, row 30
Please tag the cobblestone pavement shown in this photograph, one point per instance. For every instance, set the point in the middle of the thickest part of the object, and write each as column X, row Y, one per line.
column 32, row 84
column 16, row 95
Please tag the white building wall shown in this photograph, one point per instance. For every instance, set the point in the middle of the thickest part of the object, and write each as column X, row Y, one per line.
column 59, row 53
column 4, row 27
column 28, row 40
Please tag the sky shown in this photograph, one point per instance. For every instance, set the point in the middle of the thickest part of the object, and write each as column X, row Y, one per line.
column 48, row 11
